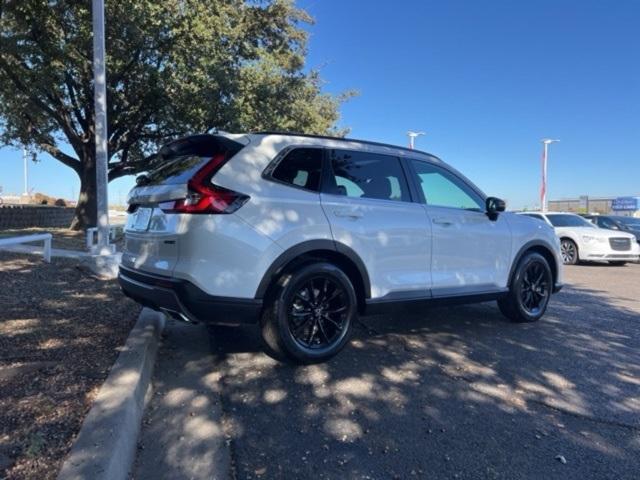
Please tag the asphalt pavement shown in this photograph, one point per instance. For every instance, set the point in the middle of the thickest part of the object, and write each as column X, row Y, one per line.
column 454, row 392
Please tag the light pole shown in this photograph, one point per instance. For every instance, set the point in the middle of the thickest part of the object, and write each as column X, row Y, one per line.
column 100, row 103
column 24, row 161
column 412, row 138
column 543, row 188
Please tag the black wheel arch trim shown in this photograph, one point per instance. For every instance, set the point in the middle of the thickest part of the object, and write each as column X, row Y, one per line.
column 528, row 246
column 309, row 246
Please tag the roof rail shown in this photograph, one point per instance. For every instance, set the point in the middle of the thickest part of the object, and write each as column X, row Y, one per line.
column 344, row 139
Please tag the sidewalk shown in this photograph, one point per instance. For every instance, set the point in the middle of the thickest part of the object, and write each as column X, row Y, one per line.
column 182, row 434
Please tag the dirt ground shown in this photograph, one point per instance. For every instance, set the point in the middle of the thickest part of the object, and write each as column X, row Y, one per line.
column 60, row 332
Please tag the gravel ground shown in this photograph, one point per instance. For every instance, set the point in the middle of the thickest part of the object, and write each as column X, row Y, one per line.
column 60, row 331
column 445, row 393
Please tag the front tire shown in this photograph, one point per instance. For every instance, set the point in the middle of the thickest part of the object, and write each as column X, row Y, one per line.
column 309, row 316
column 530, row 290
column 569, row 251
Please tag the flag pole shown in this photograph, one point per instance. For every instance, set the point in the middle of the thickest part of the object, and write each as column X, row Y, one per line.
column 543, row 188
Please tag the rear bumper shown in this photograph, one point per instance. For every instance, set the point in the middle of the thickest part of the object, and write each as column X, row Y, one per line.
column 182, row 298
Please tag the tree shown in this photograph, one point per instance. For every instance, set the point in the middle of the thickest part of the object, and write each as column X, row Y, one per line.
column 173, row 67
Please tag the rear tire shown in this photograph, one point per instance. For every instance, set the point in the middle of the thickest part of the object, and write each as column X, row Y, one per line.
column 569, row 251
column 618, row 263
column 309, row 315
column 530, row 290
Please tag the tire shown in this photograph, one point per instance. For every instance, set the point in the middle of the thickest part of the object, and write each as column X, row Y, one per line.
column 530, row 290
column 569, row 251
column 618, row 263
column 309, row 316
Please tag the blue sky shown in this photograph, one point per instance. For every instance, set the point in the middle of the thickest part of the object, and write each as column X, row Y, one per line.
column 485, row 80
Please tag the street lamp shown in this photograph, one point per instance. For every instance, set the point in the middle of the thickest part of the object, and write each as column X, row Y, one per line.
column 412, row 138
column 543, row 188
column 100, row 102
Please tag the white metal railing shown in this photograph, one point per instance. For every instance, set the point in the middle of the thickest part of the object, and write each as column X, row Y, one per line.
column 44, row 237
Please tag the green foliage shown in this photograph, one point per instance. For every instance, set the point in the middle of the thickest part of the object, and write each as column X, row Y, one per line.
column 173, row 67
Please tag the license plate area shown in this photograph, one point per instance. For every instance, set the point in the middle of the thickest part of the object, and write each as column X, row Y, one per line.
column 140, row 219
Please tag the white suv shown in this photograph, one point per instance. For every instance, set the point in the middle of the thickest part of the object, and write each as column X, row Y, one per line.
column 302, row 233
column 581, row 240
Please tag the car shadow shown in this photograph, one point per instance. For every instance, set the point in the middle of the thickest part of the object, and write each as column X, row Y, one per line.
column 445, row 392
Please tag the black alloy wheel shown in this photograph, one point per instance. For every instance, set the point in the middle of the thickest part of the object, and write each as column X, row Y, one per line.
column 535, row 287
column 318, row 313
column 309, row 314
column 529, row 291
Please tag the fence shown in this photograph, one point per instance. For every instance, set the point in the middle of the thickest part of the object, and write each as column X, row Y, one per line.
column 27, row 216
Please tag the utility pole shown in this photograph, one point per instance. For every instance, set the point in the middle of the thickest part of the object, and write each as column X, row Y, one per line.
column 543, row 188
column 412, row 138
column 100, row 102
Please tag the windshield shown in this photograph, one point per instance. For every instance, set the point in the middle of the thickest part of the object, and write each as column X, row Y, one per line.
column 567, row 220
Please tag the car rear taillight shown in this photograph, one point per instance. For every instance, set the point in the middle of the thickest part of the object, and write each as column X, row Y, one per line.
column 206, row 197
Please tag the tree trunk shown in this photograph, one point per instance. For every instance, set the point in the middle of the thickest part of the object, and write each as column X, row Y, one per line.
column 86, row 214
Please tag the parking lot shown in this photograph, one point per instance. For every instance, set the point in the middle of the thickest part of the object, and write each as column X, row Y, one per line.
column 453, row 392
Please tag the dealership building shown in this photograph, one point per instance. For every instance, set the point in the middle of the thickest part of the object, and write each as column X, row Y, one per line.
column 627, row 206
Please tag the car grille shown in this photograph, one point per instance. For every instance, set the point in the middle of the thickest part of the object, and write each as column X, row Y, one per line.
column 620, row 244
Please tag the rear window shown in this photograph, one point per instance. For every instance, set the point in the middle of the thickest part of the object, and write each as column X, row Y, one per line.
column 569, row 221
column 176, row 170
column 533, row 215
column 181, row 159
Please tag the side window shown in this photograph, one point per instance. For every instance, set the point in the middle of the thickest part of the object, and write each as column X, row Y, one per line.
column 301, row 167
column 606, row 223
column 443, row 189
column 367, row 175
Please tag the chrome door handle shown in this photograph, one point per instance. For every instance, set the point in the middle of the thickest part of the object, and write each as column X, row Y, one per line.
column 348, row 213
column 442, row 221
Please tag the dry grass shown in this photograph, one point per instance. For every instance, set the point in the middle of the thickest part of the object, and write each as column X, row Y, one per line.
column 60, row 331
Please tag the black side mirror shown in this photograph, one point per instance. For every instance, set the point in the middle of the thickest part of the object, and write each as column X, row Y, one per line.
column 494, row 207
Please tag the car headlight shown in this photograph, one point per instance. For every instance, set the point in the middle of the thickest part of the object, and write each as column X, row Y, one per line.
column 591, row 238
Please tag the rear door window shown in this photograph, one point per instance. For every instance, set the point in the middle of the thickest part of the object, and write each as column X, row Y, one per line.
column 367, row 175
column 301, row 167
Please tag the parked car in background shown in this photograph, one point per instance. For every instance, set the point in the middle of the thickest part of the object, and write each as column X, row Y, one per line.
column 303, row 233
column 581, row 240
column 616, row 222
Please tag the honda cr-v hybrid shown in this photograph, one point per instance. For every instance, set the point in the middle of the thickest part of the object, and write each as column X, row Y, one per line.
column 303, row 233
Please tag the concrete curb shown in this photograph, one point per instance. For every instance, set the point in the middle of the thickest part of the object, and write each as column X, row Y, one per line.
column 105, row 448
